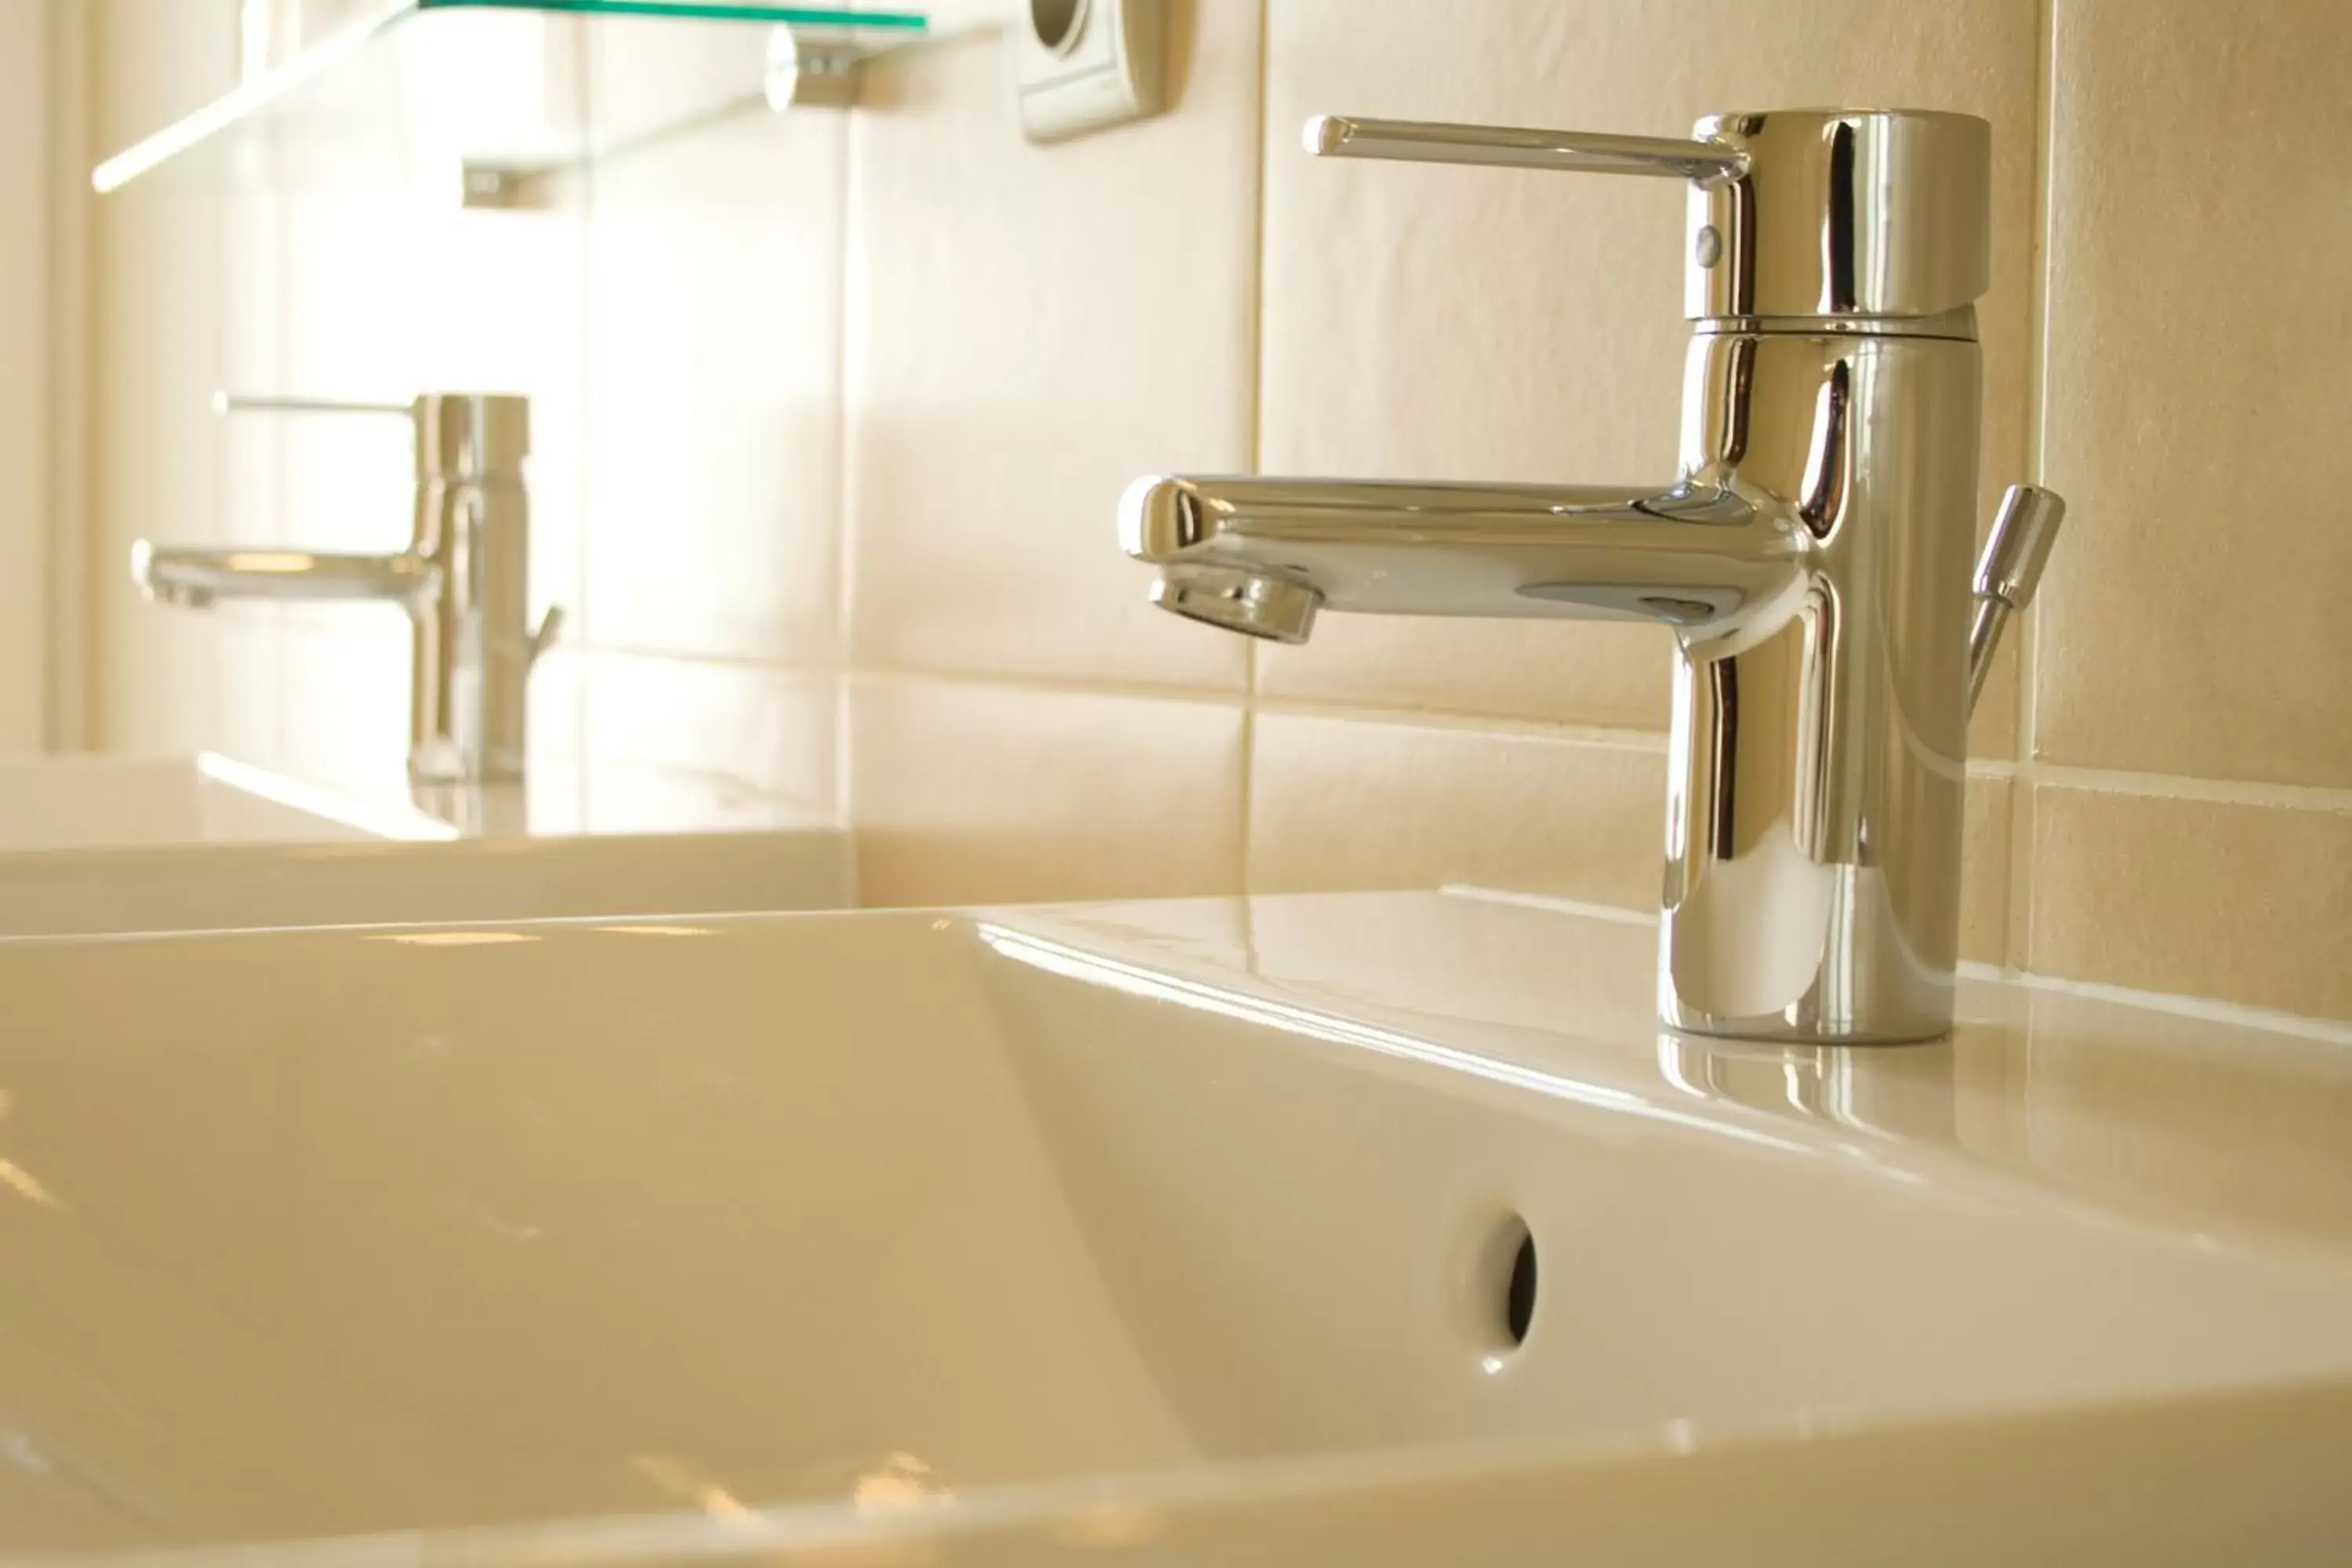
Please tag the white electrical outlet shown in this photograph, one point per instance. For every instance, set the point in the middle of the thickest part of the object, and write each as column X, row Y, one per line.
column 1081, row 65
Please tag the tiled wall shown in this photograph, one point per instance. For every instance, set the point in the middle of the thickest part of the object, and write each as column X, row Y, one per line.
column 836, row 410
column 25, row 293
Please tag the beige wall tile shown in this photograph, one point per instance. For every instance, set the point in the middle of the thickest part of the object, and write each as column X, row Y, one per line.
column 2198, row 397
column 167, row 269
column 385, row 297
column 765, row 729
column 2232, row 1130
column 155, row 459
column 965, row 792
column 713, row 412
column 1500, row 963
column 1030, row 328
column 246, row 665
column 345, row 704
column 155, row 60
column 559, row 702
column 1341, row 802
column 1345, row 801
column 2248, row 903
column 1454, row 323
column 25, row 288
column 1596, row 673
column 1985, row 870
column 1993, row 727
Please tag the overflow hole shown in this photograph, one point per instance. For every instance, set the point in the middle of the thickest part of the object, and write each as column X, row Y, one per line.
column 1055, row 21
column 1519, row 1298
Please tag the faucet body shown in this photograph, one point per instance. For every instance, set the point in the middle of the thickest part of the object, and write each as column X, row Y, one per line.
column 464, row 580
column 1810, row 558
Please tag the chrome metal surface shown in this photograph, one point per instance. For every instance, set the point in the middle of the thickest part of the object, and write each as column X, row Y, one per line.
column 2022, row 533
column 1256, row 604
column 463, row 579
column 226, row 402
column 1843, row 211
column 195, row 578
column 1809, row 555
column 806, row 70
column 1958, row 324
column 1571, row 152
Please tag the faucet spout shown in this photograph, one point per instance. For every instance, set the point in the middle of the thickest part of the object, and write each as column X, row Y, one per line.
column 195, row 578
column 1693, row 554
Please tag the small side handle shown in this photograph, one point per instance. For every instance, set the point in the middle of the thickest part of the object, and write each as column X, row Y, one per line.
column 551, row 627
column 2024, row 531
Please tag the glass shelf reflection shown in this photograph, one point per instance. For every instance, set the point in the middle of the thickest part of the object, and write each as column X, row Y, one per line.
column 699, row 11
column 488, row 96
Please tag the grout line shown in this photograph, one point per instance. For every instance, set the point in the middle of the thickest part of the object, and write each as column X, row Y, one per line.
column 1256, row 400
column 584, row 475
column 1197, row 695
column 2212, row 791
column 282, row 630
column 704, row 656
column 584, row 405
column 2037, row 387
column 1498, row 725
column 1042, row 685
column 2017, row 932
column 849, row 302
column 1246, row 878
column 1255, row 462
column 2204, row 1008
column 29, row 278
column 2017, row 911
column 2208, row 1009
column 2160, row 786
column 844, row 762
column 69, row 648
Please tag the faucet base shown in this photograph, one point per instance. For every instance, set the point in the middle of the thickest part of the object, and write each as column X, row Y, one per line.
column 1778, row 1029
column 1810, row 560
column 1770, row 943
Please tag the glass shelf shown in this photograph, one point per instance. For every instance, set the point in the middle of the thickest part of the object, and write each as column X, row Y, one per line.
column 698, row 11
column 485, row 98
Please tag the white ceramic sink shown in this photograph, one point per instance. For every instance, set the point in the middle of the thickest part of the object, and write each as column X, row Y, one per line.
column 106, row 845
column 50, row 803
column 1158, row 1232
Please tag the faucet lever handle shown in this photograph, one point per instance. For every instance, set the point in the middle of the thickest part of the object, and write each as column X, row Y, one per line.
column 1563, row 151
column 2024, row 531
column 226, row 402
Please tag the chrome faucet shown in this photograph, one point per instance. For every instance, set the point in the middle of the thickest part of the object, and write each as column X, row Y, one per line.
column 1810, row 557
column 464, row 578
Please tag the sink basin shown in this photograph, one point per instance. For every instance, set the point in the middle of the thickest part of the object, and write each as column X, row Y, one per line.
column 1367, row 1227
column 103, row 845
column 50, row 803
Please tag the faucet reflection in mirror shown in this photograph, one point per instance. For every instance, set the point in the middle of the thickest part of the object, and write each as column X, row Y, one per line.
column 463, row 579
column 1811, row 557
